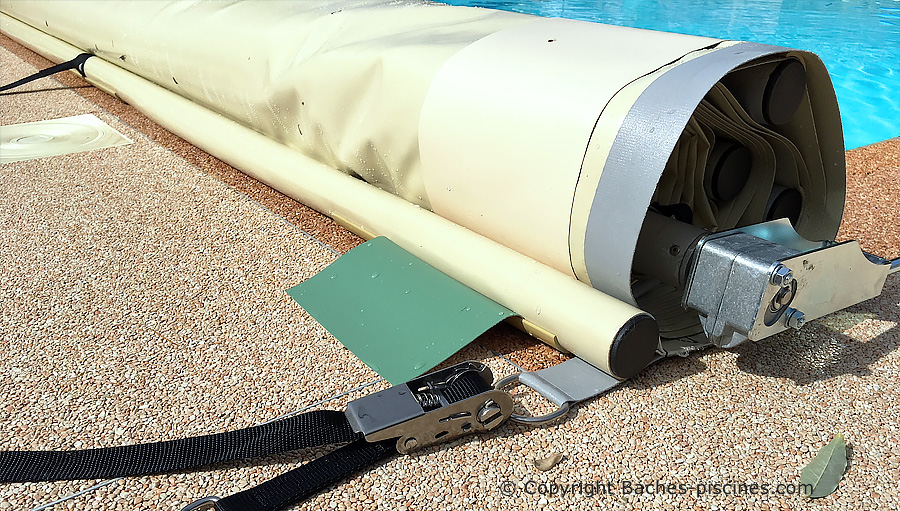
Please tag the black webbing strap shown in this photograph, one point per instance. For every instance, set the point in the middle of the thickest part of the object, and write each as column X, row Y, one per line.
column 311, row 429
column 322, row 427
column 310, row 478
column 77, row 64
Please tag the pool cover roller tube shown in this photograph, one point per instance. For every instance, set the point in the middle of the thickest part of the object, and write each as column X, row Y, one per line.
column 516, row 154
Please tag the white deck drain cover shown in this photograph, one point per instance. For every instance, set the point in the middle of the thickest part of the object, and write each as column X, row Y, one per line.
column 27, row 141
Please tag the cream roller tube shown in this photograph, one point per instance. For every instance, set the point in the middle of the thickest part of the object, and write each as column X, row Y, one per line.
column 608, row 333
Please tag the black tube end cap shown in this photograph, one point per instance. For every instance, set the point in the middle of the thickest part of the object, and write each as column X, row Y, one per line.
column 634, row 346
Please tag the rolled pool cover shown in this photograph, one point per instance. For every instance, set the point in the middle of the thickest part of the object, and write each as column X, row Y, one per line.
column 538, row 144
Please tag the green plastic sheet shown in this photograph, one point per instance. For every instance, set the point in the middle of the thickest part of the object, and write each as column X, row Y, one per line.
column 398, row 314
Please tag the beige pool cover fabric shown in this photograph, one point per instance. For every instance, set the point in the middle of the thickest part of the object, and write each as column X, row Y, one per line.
column 142, row 297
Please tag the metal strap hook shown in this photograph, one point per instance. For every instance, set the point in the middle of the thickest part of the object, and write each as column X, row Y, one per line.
column 573, row 381
column 543, row 419
column 204, row 504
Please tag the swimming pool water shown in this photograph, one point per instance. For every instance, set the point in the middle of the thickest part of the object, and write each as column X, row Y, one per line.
column 859, row 41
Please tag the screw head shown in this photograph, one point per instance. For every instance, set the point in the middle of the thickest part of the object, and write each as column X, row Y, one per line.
column 411, row 443
column 781, row 276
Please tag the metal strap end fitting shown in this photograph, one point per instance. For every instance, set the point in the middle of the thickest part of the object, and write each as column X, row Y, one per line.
column 563, row 407
column 204, row 504
column 573, row 381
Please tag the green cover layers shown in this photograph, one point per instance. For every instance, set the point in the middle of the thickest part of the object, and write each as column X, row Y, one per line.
column 395, row 312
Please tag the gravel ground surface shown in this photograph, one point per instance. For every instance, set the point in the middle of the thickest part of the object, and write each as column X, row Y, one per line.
column 142, row 299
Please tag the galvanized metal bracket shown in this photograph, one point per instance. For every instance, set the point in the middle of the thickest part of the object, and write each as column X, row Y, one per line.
column 755, row 282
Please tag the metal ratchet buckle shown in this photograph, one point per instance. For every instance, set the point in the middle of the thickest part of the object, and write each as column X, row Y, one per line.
column 419, row 414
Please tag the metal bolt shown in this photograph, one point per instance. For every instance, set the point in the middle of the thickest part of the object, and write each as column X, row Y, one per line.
column 411, row 443
column 489, row 412
column 782, row 297
column 794, row 319
column 781, row 275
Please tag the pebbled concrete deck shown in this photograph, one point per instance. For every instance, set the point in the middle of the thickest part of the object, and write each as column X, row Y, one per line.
column 142, row 298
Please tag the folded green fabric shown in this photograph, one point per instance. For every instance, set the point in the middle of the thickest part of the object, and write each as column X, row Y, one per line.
column 398, row 314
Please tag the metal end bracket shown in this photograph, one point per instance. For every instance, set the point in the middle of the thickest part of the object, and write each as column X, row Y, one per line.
column 754, row 282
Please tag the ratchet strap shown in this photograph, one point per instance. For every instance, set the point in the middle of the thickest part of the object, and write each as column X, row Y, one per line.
column 77, row 64
column 431, row 409
column 428, row 410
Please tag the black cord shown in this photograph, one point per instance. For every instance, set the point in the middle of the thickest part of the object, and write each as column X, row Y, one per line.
column 77, row 64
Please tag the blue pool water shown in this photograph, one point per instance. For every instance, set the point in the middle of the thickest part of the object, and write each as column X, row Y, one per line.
column 859, row 41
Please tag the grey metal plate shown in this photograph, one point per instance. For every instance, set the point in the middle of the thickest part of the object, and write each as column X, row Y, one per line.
column 570, row 382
